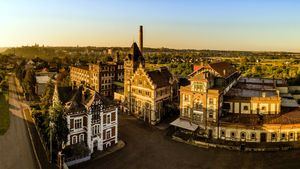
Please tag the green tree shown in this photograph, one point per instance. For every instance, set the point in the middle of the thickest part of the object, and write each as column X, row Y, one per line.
column 30, row 83
column 60, row 129
column 46, row 99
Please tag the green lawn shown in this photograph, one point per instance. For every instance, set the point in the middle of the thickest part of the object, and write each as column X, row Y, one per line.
column 4, row 112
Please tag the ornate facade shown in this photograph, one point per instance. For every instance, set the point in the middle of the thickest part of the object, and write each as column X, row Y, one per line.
column 221, row 104
column 91, row 119
column 146, row 93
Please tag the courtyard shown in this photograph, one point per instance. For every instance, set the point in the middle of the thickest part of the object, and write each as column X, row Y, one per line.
column 151, row 148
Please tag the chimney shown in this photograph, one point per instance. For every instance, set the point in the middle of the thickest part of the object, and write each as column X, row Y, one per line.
column 141, row 39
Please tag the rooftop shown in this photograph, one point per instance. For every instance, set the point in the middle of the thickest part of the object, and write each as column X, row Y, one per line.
column 291, row 117
column 237, row 92
column 160, row 77
column 262, row 81
column 42, row 79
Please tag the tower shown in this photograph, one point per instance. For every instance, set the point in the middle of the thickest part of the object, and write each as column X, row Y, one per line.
column 131, row 63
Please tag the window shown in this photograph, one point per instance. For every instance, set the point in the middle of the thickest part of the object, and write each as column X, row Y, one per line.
column 222, row 133
column 211, row 101
column 96, row 129
column 291, row 136
column 199, row 87
column 186, row 98
column 81, row 138
column 273, row 136
column 140, row 82
column 283, row 136
column 108, row 134
column 243, row 135
column 246, row 108
column 232, row 134
column 210, row 113
column 198, row 117
column 78, row 123
column 263, row 108
column 198, row 105
column 253, row 136
column 74, row 139
column 108, row 119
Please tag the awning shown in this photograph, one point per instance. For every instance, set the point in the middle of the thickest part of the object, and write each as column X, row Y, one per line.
column 184, row 124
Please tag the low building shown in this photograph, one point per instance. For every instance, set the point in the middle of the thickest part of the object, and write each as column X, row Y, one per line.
column 42, row 79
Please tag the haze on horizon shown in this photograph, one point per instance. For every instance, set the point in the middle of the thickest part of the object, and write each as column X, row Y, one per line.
column 269, row 25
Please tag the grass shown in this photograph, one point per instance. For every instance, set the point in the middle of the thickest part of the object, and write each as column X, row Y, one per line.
column 4, row 112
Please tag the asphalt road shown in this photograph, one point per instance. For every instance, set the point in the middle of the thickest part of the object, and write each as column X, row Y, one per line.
column 150, row 148
column 15, row 146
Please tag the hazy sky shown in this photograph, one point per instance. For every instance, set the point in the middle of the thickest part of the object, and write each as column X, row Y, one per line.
column 211, row 24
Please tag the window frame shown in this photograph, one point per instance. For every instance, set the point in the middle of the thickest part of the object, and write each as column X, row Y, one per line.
column 75, row 123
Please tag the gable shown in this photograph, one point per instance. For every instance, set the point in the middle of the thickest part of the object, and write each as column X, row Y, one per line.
column 141, row 78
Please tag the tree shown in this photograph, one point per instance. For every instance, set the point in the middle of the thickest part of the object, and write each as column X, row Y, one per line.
column 29, row 83
column 60, row 130
column 47, row 95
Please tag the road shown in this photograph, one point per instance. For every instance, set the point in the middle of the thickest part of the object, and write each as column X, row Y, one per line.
column 15, row 146
column 150, row 148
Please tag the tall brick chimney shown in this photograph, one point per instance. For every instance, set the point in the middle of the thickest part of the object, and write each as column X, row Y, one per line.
column 141, row 39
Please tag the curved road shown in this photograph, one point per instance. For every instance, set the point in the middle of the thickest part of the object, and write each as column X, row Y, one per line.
column 15, row 146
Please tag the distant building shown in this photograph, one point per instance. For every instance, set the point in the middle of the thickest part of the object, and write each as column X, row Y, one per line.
column 42, row 79
column 100, row 77
column 91, row 118
column 221, row 104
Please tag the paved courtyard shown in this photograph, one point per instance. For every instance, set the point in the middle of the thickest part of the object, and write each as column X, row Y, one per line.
column 150, row 148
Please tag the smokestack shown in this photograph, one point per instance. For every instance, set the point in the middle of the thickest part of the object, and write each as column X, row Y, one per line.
column 141, row 39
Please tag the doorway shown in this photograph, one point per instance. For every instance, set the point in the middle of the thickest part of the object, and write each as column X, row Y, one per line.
column 95, row 146
column 210, row 134
column 263, row 137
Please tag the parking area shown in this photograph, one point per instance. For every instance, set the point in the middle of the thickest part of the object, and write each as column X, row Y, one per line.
column 151, row 148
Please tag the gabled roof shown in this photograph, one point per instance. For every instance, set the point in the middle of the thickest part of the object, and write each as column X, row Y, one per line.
column 75, row 104
column 160, row 77
column 83, row 100
column 223, row 69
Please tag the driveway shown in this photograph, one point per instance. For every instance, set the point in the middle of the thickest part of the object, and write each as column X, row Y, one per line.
column 150, row 148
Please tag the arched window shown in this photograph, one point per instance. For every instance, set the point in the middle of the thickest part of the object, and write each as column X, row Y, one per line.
column 243, row 135
column 74, row 139
column 81, row 138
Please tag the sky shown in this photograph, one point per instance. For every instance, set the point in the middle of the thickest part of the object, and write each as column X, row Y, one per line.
column 260, row 25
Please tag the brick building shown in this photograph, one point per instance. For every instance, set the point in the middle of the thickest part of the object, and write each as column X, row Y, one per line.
column 100, row 77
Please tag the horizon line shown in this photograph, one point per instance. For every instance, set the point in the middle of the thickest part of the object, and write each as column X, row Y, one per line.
column 227, row 50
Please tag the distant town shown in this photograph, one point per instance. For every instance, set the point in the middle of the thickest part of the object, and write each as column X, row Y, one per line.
column 89, row 107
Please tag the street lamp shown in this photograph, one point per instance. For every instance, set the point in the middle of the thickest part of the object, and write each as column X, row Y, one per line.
column 51, row 128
